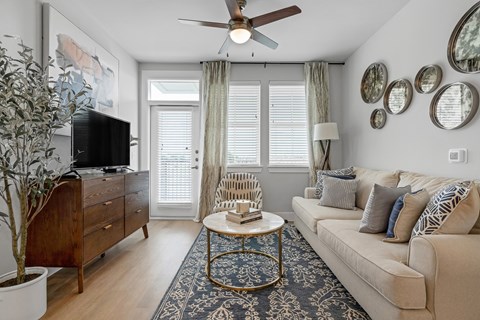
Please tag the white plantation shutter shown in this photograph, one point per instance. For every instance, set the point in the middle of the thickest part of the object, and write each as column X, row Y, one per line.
column 244, row 124
column 288, row 125
column 174, row 152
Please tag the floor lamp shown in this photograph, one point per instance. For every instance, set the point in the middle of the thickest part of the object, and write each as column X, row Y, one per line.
column 327, row 132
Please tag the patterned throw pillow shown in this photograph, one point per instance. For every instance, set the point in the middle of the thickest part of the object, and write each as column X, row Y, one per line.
column 336, row 172
column 405, row 213
column 338, row 193
column 452, row 210
column 378, row 208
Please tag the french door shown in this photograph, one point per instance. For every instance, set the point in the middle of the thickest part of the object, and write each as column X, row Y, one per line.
column 174, row 159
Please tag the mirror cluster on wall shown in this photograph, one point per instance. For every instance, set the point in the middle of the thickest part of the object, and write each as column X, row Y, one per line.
column 455, row 104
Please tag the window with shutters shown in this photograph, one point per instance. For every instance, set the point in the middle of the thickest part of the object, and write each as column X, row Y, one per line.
column 173, row 131
column 243, row 147
column 287, row 125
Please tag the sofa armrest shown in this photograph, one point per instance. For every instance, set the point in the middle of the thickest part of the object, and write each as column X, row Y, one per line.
column 309, row 193
column 450, row 264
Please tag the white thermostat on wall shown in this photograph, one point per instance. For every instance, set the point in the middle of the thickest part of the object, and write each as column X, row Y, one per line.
column 457, row 156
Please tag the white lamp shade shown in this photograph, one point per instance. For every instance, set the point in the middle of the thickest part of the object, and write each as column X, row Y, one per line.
column 325, row 131
column 240, row 35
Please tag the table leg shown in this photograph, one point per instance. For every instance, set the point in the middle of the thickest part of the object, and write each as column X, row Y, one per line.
column 145, row 231
column 280, row 264
column 208, row 253
column 243, row 243
column 80, row 279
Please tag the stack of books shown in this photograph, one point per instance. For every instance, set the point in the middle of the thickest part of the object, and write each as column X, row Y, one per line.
column 245, row 217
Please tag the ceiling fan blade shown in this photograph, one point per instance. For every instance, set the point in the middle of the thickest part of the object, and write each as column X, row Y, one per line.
column 274, row 16
column 263, row 39
column 226, row 44
column 204, row 23
column 234, row 9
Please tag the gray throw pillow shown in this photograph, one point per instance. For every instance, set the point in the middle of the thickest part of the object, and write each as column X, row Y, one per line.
column 335, row 172
column 378, row 208
column 338, row 193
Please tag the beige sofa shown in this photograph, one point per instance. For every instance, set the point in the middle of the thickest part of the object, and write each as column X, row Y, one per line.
column 431, row 277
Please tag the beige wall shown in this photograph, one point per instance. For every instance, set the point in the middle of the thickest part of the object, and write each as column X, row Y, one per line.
column 418, row 35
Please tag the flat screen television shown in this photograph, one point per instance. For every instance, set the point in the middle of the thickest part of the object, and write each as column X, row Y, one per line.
column 99, row 141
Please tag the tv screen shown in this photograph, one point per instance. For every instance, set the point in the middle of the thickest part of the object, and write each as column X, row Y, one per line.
column 99, row 141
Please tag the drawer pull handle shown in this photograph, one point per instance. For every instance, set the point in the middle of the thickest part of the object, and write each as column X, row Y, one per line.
column 107, row 203
column 107, row 227
column 107, row 179
column 138, row 211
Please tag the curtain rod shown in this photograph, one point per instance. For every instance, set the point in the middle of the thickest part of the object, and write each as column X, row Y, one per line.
column 265, row 63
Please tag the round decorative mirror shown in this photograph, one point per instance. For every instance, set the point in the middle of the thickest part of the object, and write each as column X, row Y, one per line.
column 398, row 96
column 378, row 118
column 464, row 44
column 428, row 79
column 454, row 105
column 373, row 83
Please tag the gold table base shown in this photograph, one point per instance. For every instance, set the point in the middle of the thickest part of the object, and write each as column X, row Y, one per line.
column 252, row 288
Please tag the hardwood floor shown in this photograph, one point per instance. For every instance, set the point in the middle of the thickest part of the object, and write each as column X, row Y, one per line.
column 130, row 281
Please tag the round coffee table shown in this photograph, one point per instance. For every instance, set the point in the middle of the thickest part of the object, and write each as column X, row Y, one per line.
column 270, row 223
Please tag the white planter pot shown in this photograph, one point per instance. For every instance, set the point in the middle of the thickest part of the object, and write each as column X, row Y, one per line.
column 27, row 301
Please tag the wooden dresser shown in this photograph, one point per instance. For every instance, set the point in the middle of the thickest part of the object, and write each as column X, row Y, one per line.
column 85, row 217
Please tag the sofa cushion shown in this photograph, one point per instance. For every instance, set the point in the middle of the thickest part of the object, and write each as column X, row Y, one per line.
column 380, row 264
column 367, row 178
column 432, row 184
column 310, row 212
column 338, row 193
column 419, row 181
column 379, row 206
column 452, row 210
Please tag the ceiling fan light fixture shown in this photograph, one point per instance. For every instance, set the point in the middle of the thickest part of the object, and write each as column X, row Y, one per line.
column 240, row 35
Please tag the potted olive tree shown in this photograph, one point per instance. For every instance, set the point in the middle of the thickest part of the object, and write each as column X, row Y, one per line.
column 32, row 107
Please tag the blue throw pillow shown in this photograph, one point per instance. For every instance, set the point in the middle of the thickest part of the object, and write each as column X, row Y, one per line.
column 397, row 207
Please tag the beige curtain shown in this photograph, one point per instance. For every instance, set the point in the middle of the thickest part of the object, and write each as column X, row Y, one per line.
column 215, row 81
column 317, row 97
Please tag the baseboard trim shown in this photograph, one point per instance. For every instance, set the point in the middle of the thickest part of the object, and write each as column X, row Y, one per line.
column 289, row 216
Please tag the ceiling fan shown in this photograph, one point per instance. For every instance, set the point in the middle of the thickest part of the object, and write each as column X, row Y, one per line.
column 241, row 28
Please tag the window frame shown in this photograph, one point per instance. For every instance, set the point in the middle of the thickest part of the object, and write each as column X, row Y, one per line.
column 286, row 167
column 250, row 167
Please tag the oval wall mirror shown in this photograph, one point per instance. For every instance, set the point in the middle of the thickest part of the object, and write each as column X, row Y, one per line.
column 373, row 83
column 398, row 96
column 454, row 105
column 464, row 44
column 428, row 78
column 378, row 118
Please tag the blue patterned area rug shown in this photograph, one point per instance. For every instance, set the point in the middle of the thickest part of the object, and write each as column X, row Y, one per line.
column 308, row 289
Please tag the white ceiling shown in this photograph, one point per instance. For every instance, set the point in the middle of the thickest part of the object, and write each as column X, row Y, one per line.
column 329, row 30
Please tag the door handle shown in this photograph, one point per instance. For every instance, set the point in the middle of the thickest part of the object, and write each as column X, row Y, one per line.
column 196, row 167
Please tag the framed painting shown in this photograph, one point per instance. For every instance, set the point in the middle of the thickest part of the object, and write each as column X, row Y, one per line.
column 68, row 45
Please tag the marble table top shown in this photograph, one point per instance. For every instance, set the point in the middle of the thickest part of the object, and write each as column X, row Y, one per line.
column 218, row 223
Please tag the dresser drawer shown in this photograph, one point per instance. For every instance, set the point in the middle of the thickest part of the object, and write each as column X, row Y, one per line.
column 98, row 216
column 99, row 241
column 136, row 201
column 136, row 181
column 103, row 189
column 135, row 221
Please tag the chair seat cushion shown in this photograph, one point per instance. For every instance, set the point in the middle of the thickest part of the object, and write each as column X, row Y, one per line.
column 380, row 264
column 310, row 212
